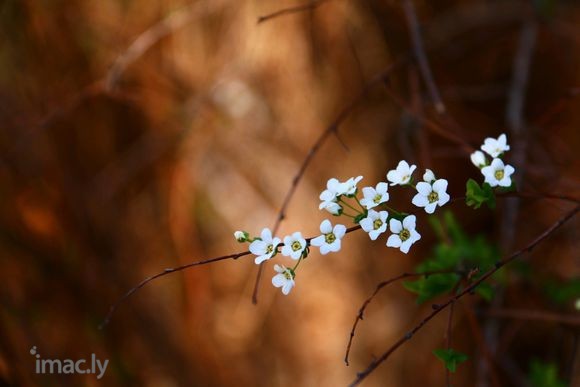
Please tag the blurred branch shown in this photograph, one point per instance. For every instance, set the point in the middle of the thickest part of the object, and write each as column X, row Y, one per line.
column 419, row 52
column 532, row 315
column 468, row 290
column 360, row 314
column 291, row 10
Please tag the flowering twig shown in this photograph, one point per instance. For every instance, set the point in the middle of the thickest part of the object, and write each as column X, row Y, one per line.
column 360, row 314
column 295, row 9
column 468, row 290
column 331, row 129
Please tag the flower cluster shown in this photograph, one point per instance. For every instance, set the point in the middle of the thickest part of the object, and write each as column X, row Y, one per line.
column 371, row 212
column 496, row 173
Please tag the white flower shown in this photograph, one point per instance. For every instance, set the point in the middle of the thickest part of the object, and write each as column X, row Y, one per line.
column 375, row 223
column 241, row 236
column 401, row 175
column 498, row 174
column 284, row 279
column 375, row 196
column 349, row 186
column 429, row 196
column 333, row 207
column 429, row 176
column 294, row 245
column 404, row 234
column 329, row 241
column 264, row 248
column 333, row 187
column 478, row 159
column 494, row 147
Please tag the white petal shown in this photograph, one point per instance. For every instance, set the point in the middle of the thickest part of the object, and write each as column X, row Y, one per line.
column 286, row 250
column 430, row 207
column 419, row 200
column 383, row 215
column 275, row 242
column 394, row 177
column 395, row 225
column 327, row 196
column 443, row 198
column 266, row 235
column 412, row 169
column 332, row 184
column 296, row 254
column 287, row 287
column 261, row 259
column 394, row 241
column 318, row 241
column 278, row 280
column 409, row 222
column 335, row 246
column 279, row 268
column 368, row 192
column 497, row 164
column 405, row 246
column 415, row 236
column 325, row 226
column 339, row 231
column 440, row 186
column 382, row 188
column 424, row 188
column 508, row 170
column 258, row 247
column 374, row 234
column 367, row 224
column 324, row 249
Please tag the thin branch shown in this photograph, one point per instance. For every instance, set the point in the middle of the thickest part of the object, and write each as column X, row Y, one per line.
column 468, row 290
column 419, row 52
column 291, row 10
column 360, row 314
column 165, row 272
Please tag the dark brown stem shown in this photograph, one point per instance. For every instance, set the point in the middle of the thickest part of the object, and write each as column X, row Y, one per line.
column 420, row 56
column 408, row 336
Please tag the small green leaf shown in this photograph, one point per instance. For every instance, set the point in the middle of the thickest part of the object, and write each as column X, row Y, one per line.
column 545, row 375
column 450, row 358
column 476, row 195
column 360, row 217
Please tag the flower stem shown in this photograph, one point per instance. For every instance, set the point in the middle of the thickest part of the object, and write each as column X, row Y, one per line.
column 297, row 263
column 348, row 205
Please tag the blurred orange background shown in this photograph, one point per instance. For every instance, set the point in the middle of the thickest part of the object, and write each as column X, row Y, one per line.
column 139, row 135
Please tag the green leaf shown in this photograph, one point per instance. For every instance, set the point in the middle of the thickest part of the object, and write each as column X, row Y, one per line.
column 545, row 375
column 450, row 358
column 476, row 195
column 360, row 217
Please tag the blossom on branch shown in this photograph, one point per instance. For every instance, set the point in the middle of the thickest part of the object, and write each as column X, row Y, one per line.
column 375, row 223
column 294, row 245
column 284, row 279
column 404, row 233
column 495, row 147
column 265, row 247
column 498, row 174
column 372, row 197
column 430, row 196
column 402, row 174
column 330, row 240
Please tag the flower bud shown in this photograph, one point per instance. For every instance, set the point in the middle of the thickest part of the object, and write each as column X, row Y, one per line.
column 241, row 236
column 478, row 159
column 429, row 176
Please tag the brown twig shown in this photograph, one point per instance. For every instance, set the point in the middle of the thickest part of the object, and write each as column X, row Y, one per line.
column 181, row 268
column 468, row 290
column 420, row 56
column 291, row 10
column 360, row 314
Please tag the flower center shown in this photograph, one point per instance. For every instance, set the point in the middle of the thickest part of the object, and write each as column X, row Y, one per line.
column 287, row 275
column 433, row 197
column 377, row 198
column 269, row 249
column 296, row 246
column 377, row 224
column 404, row 234
column 498, row 174
column 405, row 178
column 329, row 238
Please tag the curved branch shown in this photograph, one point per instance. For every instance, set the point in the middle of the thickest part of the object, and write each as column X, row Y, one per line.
column 295, row 9
column 408, row 336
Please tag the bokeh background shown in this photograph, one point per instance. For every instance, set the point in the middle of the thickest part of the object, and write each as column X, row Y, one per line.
column 139, row 135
